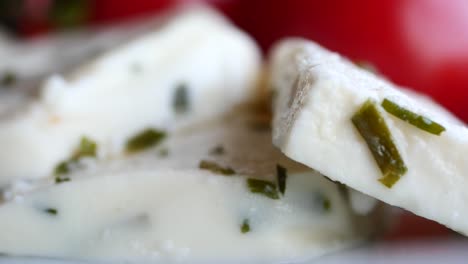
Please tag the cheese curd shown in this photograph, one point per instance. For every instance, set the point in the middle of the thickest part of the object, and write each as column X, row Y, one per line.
column 129, row 89
column 319, row 92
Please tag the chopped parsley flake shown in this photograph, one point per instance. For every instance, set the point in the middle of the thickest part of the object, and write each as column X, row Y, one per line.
column 281, row 175
column 265, row 188
column 51, row 211
column 180, row 101
column 216, row 168
column 8, row 79
column 245, row 227
column 144, row 140
column 414, row 119
column 372, row 127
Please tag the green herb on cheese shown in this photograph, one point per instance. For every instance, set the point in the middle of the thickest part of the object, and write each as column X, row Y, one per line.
column 414, row 119
column 265, row 188
column 180, row 101
column 216, row 168
column 218, row 150
column 144, row 140
column 87, row 148
column 51, row 211
column 62, row 168
column 245, row 227
column 8, row 79
column 372, row 127
column 61, row 179
column 281, row 175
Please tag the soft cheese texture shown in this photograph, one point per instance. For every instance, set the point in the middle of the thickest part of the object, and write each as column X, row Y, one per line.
column 158, row 207
column 317, row 94
column 129, row 89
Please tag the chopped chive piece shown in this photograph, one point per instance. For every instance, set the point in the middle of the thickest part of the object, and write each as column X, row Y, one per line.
column 62, row 168
column 8, row 79
column 218, row 150
column 281, row 175
column 263, row 187
column 181, row 101
column 87, row 148
column 145, row 139
column 245, row 227
column 61, row 179
column 51, row 211
column 372, row 127
column 390, row 179
column 414, row 119
column 216, row 168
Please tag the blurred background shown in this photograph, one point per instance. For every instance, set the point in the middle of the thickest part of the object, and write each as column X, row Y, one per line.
column 422, row 44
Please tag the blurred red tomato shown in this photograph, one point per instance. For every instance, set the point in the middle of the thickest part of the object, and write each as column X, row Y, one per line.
column 420, row 44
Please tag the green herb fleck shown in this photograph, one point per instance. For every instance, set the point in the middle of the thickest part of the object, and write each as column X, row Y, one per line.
column 263, row 187
column 8, row 79
column 245, row 227
column 216, row 168
column 62, row 168
column 414, row 119
column 51, row 211
column 87, row 148
column 218, row 150
column 61, row 179
column 372, row 127
column 181, row 99
column 281, row 175
column 145, row 139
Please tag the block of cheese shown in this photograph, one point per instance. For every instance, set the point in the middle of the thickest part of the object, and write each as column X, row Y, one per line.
column 212, row 195
column 361, row 130
column 194, row 67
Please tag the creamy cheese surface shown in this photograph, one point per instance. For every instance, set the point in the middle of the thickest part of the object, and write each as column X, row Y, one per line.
column 197, row 60
column 164, row 207
column 318, row 92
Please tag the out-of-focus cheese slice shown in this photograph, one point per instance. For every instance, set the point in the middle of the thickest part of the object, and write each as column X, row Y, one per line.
column 317, row 94
column 129, row 89
column 165, row 208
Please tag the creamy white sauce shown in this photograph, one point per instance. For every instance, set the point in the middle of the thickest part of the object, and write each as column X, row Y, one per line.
column 129, row 89
column 313, row 126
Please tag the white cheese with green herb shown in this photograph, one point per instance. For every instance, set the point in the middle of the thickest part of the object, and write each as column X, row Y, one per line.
column 194, row 67
column 330, row 115
column 164, row 207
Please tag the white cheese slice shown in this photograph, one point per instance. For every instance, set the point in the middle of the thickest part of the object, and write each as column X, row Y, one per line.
column 318, row 92
column 129, row 89
column 165, row 208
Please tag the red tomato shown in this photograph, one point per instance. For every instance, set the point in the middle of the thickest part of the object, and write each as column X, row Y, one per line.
column 420, row 44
